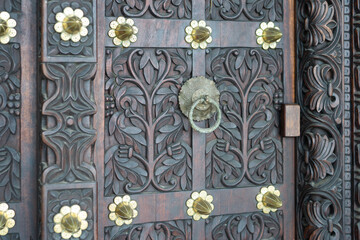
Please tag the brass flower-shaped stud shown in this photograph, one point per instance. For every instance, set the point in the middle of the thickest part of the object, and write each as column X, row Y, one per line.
column 6, row 219
column 268, row 199
column 123, row 31
column 70, row 222
column 200, row 205
column 198, row 34
column 7, row 25
column 71, row 24
column 123, row 210
column 268, row 35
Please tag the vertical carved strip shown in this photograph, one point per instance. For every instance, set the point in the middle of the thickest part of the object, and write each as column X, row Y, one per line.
column 68, row 173
column 321, row 95
column 356, row 116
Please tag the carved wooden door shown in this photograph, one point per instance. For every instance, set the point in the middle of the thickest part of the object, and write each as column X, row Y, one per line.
column 112, row 124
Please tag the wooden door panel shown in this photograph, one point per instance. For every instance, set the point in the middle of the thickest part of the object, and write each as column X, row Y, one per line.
column 246, row 150
column 151, row 152
column 112, row 125
column 148, row 142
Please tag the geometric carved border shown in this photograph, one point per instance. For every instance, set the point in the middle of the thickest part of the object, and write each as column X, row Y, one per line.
column 355, row 109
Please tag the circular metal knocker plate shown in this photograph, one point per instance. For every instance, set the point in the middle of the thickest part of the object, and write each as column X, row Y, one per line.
column 199, row 88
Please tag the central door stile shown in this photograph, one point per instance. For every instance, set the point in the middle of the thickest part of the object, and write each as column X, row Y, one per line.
column 198, row 139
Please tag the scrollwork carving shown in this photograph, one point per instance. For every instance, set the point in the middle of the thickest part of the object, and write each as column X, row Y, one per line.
column 253, row 10
column 321, row 95
column 148, row 141
column 180, row 229
column 67, row 130
column 11, row 5
column 10, row 105
column 246, row 149
column 179, row 9
column 245, row 226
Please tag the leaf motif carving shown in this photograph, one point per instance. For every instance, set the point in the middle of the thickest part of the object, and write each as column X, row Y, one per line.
column 245, row 226
column 176, row 9
column 145, row 85
column 253, row 10
column 246, row 149
column 180, row 230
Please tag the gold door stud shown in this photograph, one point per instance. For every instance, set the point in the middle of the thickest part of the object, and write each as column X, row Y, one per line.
column 7, row 28
column 6, row 219
column 70, row 221
column 123, row 31
column 71, row 24
column 198, row 34
column 200, row 205
column 123, row 210
column 269, row 199
column 268, row 35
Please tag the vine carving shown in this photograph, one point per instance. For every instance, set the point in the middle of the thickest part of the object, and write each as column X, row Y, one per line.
column 180, row 229
column 148, row 140
column 10, row 106
column 245, row 226
column 179, row 9
column 246, row 149
column 253, row 10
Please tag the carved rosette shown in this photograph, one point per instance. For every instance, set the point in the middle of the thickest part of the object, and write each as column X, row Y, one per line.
column 58, row 46
column 60, row 200
column 321, row 149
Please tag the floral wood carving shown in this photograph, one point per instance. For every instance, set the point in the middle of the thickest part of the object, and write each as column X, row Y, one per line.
column 10, row 104
column 321, row 95
column 10, row 5
column 319, row 157
column 318, row 22
column 68, row 133
column 253, row 10
column 147, row 138
column 179, row 9
column 180, row 229
column 58, row 47
column 246, row 149
column 60, row 198
column 245, row 226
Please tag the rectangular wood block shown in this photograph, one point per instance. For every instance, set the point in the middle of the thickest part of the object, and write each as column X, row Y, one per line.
column 290, row 121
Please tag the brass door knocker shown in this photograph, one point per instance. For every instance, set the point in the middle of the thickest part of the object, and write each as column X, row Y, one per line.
column 199, row 100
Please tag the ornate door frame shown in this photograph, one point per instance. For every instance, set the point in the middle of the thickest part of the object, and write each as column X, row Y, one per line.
column 328, row 87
